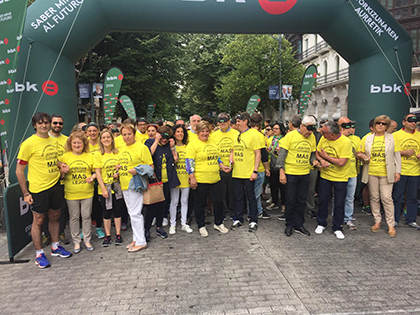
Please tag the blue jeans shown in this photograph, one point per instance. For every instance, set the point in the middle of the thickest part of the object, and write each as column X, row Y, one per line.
column 340, row 191
column 409, row 184
column 258, row 188
column 296, row 193
column 349, row 205
column 238, row 185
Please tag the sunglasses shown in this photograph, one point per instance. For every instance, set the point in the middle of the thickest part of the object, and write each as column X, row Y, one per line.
column 346, row 125
column 268, row 129
column 353, row 124
column 223, row 120
column 310, row 127
column 240, row 117
column 58, row 123
column 381, row 123
column 411, row 119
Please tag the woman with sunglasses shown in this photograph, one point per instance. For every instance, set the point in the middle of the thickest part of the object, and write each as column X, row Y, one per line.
column 380, row 154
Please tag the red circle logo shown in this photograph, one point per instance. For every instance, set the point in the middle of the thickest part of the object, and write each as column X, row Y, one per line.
column 6, row 41
column 277, row 7
column 120, row 77
column 18, row 48
column 9, row 81
column 314, row 76
column 6, row 101
column 50, row 88
column 2, row 122
column 407, row 89
column 7, row 61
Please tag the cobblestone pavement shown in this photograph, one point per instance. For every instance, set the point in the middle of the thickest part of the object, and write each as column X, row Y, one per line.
column 237, row 273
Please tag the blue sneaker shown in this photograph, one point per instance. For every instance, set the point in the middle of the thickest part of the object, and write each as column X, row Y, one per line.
column 60, row 251
column 160, row 232
column 42, row 262
column 100, row 233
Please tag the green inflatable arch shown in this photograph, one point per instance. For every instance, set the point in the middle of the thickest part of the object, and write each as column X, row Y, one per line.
column 59, row 32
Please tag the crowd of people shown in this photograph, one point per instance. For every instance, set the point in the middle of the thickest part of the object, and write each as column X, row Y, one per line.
column 101, row 174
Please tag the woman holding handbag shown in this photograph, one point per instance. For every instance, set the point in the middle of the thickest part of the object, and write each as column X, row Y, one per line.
column 109, row 189
column 164, row 155
column 133, row 154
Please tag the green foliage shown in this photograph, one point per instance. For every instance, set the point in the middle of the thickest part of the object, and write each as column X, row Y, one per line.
column 254, row 64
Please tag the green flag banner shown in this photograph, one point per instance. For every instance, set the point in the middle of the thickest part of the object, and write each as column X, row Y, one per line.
column 128, row 106
column 112, row 85
column 150, row 110
column 308, row 82
column 12, row 17
column 253, row 104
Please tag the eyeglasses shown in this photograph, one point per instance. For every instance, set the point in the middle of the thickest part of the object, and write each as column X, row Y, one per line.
column 353, row 124
column 381, row 123
column 310, row 127
column 268, row 129
column 346, row 125
column 58, row 123
column 411, row 119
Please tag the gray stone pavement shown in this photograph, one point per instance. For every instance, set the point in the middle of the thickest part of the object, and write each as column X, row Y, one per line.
column 237, row 273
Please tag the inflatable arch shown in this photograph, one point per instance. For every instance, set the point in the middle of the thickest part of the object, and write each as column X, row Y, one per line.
column 59, row 32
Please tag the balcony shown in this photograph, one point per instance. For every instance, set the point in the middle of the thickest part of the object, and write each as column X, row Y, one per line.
column 313, row 52
column 333, row 77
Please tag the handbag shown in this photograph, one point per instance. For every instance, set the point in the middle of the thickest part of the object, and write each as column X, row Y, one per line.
column 154, row 193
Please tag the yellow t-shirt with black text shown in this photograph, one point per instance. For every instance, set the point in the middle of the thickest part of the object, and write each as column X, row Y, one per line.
column 410, row 165
column 81, row 167
column 41, row 155
column 93, row 148
column 354, row 164
column 129, row 157
column 299, row 152
column 244, row 155
column 106, row 162
column 180, row 166
column 263, row 144
column 225, row 141
column 205, row 154
column 339, row 148
column 142, row 137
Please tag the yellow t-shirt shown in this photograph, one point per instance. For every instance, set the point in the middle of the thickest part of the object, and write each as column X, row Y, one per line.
column 243, row 154
column 106, row 163
column 129, row 157
column 354, row 165
column 81, row 167
column 224, row 141
column 192, row 136
column 61, row 144
column 205, row 155
column 340, row 148
column 119, row 141
column 41, row 155
column 94, row 148
column 410, row 165
column 299, row 152
column 180, row 166
column 263, row 144
column 377, row 164
column 141, row 137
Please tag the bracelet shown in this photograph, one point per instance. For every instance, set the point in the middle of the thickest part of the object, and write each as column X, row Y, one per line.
column 255, row 172
column 27, row 194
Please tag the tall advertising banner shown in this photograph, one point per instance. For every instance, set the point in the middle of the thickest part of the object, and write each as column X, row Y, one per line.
column 150, row 110
column 308, row 81
column 253, row 104
column 128, row 106
column 12, row 19
column 112, row 86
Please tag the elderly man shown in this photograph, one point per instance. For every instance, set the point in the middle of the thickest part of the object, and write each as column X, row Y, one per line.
column 346, row 129
column 333, row 152
column 409, row 139
column 192, row 134
column 141, row 133
column 296, row 156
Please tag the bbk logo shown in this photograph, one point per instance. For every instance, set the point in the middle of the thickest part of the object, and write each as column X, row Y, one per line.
column 111, row 78
column 390, row 89
column 48, row 87
column 278, row 6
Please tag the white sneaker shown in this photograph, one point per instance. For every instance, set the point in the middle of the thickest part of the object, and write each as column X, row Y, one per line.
column 172, row 230
column 319, row 229
column 153, row 221
column 203, row 232
column 221, row 228
column 339, row 235
column 187, row 228
column 351, row 225
column 165, row 222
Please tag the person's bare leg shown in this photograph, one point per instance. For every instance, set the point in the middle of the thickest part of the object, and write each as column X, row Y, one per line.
column 36, row 230
column 54, row 224
column 117, row 222
column 107, row 226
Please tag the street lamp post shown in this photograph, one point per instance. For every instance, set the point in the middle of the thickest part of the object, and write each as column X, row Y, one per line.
column 279, row 39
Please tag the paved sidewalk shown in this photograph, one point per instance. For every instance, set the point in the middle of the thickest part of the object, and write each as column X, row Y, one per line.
column 237, row 273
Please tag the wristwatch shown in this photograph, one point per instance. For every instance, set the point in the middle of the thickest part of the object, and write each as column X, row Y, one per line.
column 255, row 172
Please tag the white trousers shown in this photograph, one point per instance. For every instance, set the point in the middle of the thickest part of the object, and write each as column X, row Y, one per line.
column 174, row 204
column 134, row 202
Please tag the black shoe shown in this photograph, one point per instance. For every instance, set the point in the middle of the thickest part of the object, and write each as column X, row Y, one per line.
column 288, row 231
column 107, row 241
column 147, row 236
column 302, row 231
column 118, row 240
column 264, row 216
column 161, row 232
column 282, row 217
column 311, row 214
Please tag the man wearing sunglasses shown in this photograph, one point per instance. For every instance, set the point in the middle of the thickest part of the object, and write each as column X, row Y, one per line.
column 297, row 154
column 409, row 139
column 334, row 152
column 347, row 128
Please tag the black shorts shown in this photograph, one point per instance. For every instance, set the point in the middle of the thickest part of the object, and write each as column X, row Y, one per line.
column 51, row 198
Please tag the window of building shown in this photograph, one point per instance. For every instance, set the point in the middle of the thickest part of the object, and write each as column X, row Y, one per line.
column 405, row 13
column 397, row 14
column 414, row 11
column 414, row 99
column 325, row 71
column 405, row 2
column 398, row 3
